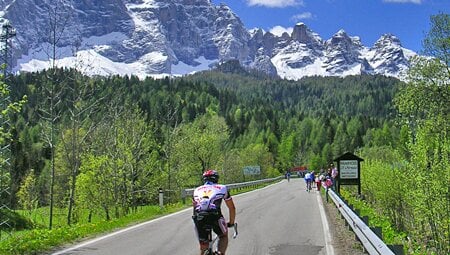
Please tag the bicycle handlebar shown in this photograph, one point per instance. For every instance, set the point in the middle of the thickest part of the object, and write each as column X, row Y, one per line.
column 235, row 230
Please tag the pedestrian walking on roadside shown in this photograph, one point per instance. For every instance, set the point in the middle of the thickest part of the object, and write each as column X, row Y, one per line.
column 334, row 176
column 319, row 180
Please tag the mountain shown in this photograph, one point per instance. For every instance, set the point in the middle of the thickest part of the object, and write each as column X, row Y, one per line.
column 177, row 37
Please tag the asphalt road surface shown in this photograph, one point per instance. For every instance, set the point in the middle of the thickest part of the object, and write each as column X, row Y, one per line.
column 281, row 219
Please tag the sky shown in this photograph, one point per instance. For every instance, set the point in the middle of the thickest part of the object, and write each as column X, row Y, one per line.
column 409, row 20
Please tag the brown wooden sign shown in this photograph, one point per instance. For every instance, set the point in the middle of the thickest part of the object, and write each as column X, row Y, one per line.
column 349, row 171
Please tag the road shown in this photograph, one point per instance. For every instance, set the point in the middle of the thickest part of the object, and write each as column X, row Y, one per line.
column 281, row 219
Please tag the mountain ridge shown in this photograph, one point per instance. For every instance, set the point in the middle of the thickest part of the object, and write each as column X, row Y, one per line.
column 178, row 37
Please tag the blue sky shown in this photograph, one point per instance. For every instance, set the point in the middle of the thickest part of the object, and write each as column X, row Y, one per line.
column 409, row 20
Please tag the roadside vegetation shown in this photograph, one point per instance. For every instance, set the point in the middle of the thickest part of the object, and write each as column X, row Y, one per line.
column 88, row 154
column 407, row 179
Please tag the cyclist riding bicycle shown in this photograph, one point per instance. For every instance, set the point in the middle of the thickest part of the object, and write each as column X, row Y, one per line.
column 308, row 180
column 207, row 200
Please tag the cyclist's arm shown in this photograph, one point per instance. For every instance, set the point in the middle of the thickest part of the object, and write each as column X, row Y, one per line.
column 231, row 209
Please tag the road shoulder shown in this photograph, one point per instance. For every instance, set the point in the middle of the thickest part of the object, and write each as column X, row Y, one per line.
column 343, row 239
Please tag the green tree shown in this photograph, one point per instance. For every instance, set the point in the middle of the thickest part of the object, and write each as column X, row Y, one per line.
column 7, row 109
column 286, row 152
column 58, row 16
column 136, row 146
column 94, row 186
column 200, row 145
column 132, row 172
column 82, row 105
column 28, row 193
column 258, row 154
column 423, row 103
column 341, row 142
column 437, row 41
column 327, row 154
column 354, row 131
column 427, row 93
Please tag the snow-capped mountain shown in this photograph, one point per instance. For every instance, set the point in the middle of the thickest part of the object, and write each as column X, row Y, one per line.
column 154, row 37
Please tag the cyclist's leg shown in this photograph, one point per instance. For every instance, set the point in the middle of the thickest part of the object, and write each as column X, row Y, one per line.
column 203, row 248
column 221, row 230
column 202, row 236
column 223, row 243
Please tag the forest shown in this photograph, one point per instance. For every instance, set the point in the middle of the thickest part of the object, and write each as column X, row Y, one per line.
column 164, row 133
column 105, row 145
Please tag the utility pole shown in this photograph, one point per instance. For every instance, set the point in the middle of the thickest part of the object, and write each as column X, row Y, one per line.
column 7, row 33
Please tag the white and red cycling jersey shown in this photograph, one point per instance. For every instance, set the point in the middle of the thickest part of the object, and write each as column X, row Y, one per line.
column 209, row 196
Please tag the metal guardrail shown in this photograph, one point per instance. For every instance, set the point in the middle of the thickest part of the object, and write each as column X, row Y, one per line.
column 189, row 192
column 371, row 242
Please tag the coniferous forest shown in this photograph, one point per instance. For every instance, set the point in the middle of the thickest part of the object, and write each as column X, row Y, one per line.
column 168, row 131
column 105, row 145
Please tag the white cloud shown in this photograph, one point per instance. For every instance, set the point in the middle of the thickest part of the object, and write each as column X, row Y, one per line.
column 279, row 30
column 404, row 1
column 302, row 16
column 275, row 3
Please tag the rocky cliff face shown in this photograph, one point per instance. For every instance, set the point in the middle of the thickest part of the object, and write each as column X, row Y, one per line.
column 388, row 55
column 148, row 37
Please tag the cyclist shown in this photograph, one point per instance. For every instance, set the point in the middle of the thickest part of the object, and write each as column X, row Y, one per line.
column 288, row 176
column 207, row 200
column 308, row 180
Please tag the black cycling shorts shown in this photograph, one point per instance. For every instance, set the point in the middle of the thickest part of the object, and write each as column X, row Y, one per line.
column 215, row 222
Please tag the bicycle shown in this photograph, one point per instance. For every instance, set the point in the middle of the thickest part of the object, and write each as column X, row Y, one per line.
column 308, row 185
column 212, row 246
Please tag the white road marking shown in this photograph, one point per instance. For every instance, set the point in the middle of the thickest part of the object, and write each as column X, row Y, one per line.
column 326, row 229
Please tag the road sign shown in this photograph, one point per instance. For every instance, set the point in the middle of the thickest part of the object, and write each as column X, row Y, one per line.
column 252, row 170
column 349, row 169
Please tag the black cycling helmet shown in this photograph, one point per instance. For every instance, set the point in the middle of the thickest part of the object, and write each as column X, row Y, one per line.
column 210, row 176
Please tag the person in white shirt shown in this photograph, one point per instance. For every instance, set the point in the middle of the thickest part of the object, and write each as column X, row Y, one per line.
column 206, row 201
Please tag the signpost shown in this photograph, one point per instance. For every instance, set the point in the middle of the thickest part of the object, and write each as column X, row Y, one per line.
column 349, row 169
column 252, row 170
column 348, row 166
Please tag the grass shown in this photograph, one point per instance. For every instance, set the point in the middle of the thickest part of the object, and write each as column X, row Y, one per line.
column 41, row 239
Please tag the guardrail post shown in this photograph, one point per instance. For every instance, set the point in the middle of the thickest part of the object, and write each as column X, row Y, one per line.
column 378, row 231
column 397, row 249
column 183, row 196
column 365, row 219
column 161, row 197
